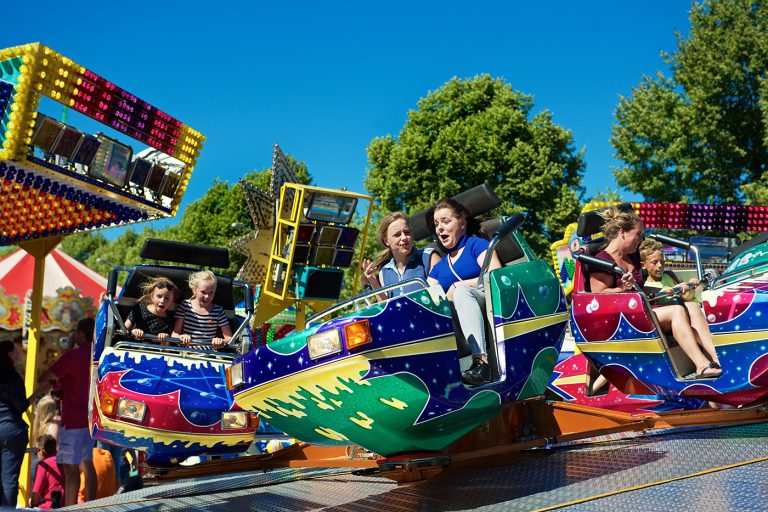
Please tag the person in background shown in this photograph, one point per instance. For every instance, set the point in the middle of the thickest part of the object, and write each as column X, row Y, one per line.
column 73, row 371
column 13, row 429
column 106, row 476
column 400, row 260
column 48, row 489
column 47, row 418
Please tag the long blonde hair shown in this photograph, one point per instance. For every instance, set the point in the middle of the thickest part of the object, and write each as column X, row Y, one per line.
column 46, row 411
column 385, row 255
column 617, row 220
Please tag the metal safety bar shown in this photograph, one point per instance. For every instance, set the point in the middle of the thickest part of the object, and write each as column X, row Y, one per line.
column 363, row 296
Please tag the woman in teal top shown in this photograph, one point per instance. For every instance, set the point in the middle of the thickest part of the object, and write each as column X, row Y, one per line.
column 400, row 261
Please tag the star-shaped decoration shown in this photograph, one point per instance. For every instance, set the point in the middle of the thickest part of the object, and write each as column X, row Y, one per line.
column 256, row 249
column 261, row 206
column 282, row 172
column 257, row 244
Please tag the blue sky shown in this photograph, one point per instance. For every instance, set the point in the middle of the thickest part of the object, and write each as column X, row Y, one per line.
column 322, row 79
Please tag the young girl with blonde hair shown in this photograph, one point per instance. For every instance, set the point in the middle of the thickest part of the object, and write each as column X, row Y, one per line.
column 47, row 418
column 198, row 316
column 400, row 261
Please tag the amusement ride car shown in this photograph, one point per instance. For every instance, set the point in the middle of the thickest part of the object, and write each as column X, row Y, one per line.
column 387, row 375
column 169, row 402
column 622, row 340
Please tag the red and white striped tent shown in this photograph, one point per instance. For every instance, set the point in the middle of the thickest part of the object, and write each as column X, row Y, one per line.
column 61, row 270
column 70, row 290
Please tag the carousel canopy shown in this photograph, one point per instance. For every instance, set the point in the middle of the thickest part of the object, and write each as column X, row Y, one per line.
column 61, row 271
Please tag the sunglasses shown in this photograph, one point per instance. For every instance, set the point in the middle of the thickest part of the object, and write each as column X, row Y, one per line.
column 162, row 286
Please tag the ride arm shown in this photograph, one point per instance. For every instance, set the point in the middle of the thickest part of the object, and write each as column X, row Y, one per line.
column 679, row 289
column 206, row 342
column 111, row 292
column 681, row 244
column 363, row 297
column 509, row 226
column 249, row 309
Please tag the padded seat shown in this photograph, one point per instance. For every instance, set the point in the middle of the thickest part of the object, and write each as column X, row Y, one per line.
column 131, row 291
column 508, row 250
column 180, row 277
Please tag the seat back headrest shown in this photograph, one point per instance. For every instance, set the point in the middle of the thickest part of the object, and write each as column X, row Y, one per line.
column 591, row 222
column 478, row 200
column 757, row 240
column 595, row 246
column 184, row 253
column 507, row 249
column 180, row 277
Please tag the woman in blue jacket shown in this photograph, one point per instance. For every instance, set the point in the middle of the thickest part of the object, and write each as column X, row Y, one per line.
column 400, row 261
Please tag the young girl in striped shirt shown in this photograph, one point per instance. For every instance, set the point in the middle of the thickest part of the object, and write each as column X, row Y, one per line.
column 198, row 316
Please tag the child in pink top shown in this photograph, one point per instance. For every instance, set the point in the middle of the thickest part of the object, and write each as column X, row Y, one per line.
column 48, row 490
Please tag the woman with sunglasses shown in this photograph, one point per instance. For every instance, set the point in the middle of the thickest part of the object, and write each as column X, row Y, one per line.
column 151, row 314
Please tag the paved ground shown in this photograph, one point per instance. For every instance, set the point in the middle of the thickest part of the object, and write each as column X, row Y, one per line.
column 720, row 469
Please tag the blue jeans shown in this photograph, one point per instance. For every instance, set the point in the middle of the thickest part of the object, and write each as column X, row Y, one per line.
column 13, row 444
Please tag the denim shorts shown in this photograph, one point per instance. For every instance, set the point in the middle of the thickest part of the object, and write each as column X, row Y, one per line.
column 75, row 445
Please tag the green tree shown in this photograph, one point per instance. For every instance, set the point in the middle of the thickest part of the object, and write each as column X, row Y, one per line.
column 477, row 131
column 606, row 195
column 699, row 134
column 82, row 246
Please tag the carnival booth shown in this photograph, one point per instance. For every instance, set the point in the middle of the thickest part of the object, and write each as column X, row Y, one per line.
column 71, row 291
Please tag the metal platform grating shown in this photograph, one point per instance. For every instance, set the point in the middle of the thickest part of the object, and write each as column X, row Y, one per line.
column 561, row 477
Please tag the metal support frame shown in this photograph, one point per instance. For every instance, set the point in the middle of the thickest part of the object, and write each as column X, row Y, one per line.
column 38, row 249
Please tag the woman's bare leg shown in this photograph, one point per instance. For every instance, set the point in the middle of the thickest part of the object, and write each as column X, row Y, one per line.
column 701, row 327
column 676, row 319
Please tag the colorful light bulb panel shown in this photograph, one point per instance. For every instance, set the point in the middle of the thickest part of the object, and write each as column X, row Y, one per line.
column 34, row 206
column 694, row 217
column 703, row 217
column 101, row 187
column 698, row 217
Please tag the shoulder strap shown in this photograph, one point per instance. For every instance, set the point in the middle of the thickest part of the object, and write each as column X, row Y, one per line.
column 56, row 474
column 450, row 265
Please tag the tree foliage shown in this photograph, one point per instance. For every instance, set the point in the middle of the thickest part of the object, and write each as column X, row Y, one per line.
column 215, row 219
column 607, row 195
column 699, row 134
column 477, row 131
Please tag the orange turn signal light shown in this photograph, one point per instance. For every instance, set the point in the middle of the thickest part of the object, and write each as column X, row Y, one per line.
column 108, row 403
column 357, row 333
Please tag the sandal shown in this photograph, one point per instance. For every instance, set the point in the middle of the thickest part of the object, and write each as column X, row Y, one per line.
column 712, row 375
